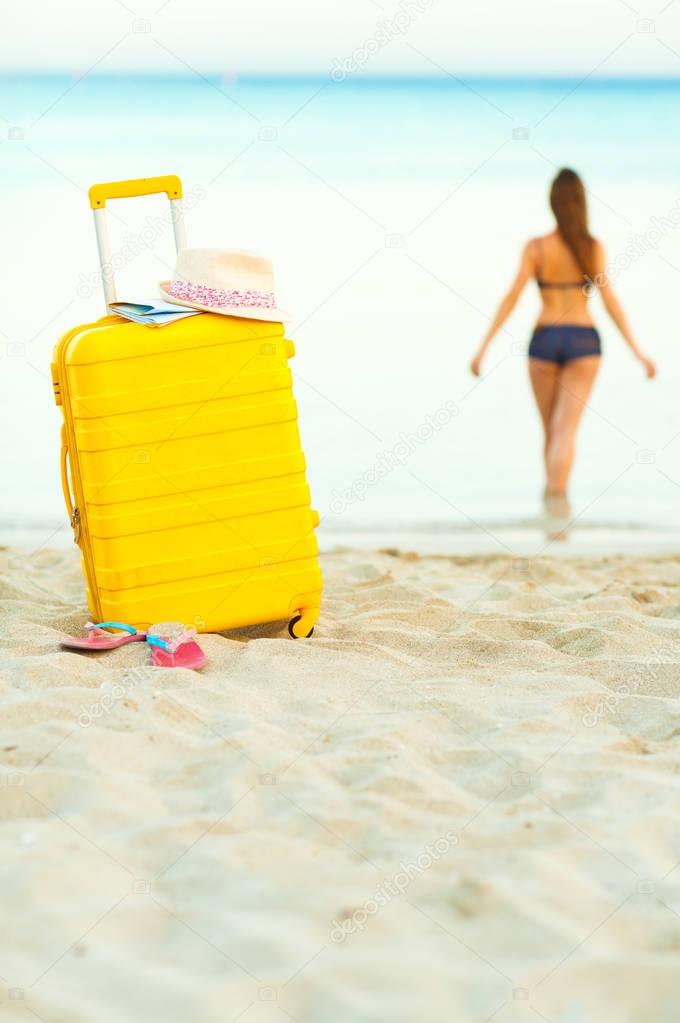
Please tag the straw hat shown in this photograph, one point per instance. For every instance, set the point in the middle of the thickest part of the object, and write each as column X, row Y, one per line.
column 224, row 281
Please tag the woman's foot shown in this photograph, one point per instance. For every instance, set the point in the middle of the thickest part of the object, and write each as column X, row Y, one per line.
column 558, row 516
column 557, row 506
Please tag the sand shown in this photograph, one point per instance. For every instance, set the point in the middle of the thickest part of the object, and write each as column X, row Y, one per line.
column 457, row 802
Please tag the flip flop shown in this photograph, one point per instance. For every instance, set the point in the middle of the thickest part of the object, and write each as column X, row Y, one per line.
column 173, row 646
column 98, row 639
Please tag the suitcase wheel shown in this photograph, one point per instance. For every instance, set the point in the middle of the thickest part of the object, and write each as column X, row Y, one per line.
column 291, row 628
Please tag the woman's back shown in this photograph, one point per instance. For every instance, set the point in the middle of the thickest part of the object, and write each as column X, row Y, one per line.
column 561, row 282
column 565, row 350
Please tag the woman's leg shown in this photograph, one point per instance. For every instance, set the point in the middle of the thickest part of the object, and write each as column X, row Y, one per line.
column 543, row 376
column 574, row 384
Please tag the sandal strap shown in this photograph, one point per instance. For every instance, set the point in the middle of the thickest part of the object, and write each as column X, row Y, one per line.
column 111, row 625
column 157, row 641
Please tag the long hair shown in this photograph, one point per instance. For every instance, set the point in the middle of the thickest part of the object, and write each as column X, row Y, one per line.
column 568, row 203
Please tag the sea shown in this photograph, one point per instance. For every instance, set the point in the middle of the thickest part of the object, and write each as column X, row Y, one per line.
column 394, row 211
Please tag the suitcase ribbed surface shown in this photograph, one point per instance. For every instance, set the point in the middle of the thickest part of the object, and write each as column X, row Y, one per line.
column 188, row 473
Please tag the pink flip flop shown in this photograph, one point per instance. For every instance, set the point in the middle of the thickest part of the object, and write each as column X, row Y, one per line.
column 98, row 639
column 174, row 646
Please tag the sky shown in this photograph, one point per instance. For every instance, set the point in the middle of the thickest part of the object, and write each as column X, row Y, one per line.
column 601, row 38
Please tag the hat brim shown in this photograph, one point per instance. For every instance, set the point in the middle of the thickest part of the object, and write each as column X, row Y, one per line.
column 268, row 315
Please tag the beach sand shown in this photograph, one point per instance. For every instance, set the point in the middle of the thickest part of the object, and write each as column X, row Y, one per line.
column 458, row 801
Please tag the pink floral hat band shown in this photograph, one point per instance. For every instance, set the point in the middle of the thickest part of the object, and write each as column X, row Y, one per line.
column 226, row 282
column 217, row 298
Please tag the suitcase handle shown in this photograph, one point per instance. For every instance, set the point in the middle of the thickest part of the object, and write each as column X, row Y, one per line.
column 168, row 183
column 71, row 508
column 98, row 194
column 64, row 472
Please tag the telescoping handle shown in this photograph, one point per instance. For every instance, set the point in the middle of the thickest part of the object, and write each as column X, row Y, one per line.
column 98, row 194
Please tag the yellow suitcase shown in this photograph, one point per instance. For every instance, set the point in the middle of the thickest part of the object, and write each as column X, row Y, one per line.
column 181, row 463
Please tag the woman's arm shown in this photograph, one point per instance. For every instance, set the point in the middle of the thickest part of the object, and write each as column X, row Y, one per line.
column 615, row 310
column 525, row 272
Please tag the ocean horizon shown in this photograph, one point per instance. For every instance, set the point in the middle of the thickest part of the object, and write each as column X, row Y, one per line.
column 249, row 76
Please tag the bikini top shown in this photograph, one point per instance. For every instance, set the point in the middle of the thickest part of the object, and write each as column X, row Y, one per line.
column 553, row 284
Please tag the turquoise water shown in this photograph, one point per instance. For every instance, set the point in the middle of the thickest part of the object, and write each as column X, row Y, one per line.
column 394, row 211
column 393, row 131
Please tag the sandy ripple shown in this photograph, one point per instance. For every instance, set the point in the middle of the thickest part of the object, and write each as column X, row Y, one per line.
column 245, row 844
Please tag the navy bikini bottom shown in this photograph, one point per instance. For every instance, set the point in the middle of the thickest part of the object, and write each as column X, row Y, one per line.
column 564, row 343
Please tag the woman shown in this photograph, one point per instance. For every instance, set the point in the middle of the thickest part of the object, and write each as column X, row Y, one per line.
column 564, row 354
